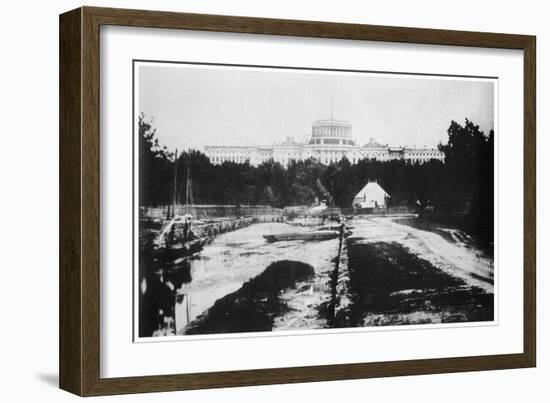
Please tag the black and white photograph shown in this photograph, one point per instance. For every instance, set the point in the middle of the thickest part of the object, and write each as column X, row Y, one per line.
column 276, row 199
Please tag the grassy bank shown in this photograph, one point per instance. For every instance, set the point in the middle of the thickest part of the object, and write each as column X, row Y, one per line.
column 462, row 233
column 481, row 229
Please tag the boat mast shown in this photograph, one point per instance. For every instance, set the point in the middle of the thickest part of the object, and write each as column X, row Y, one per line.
column 189, row 192
column 187, row 188
column 175, row 182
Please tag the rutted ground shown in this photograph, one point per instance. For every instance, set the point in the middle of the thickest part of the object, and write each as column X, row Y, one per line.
column 458, row 257
column 254, row 306
column 389, row 273
column 388, row 285
column 237, row 257
column 398, row 274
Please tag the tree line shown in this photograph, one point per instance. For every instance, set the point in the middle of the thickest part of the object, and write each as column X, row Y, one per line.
column 461, row 188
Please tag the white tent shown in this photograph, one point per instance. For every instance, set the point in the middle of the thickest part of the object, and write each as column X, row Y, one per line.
column 372, row 195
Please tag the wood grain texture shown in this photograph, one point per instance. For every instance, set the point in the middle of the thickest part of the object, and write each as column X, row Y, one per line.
column 90, row 202
column 80, row 195
column 530, row 202
column 317, row 29
column 70, row 271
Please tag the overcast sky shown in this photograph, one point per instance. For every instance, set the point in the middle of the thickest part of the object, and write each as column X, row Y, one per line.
column 193, row 106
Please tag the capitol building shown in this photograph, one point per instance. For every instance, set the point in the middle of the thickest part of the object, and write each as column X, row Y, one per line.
column 330, row 141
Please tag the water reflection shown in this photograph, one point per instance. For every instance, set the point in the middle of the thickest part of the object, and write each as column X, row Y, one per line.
column 160, row 294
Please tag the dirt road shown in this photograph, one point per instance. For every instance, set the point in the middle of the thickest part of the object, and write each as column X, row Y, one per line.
column 455, row 254
column 399, row 274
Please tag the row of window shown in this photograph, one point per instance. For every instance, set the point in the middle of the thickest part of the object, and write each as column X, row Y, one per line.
column 325, row 156
column 328, row 154
column 434, row 154
column 424, row 154
column 331, row 131
column 325, row 160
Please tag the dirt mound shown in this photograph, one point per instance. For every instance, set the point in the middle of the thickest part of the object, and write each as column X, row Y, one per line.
column 253, row 307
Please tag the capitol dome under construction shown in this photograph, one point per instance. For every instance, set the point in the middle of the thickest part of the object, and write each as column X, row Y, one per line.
column 331, row 131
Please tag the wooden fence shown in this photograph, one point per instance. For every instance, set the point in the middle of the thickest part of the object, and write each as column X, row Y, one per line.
column 204, row 211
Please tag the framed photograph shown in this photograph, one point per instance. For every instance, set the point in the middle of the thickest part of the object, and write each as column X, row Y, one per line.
column 250, row 201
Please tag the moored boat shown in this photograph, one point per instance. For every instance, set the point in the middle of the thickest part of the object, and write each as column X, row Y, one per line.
column 305, row 223
column 181, row 237
column 303, row 236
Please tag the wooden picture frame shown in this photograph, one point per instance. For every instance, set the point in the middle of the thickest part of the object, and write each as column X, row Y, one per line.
column 79, row 348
